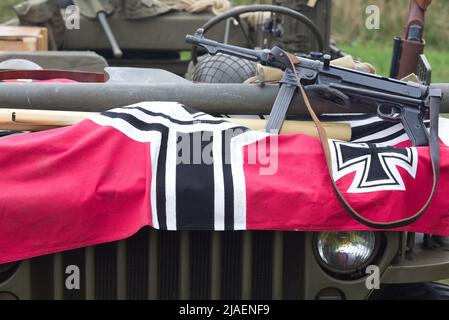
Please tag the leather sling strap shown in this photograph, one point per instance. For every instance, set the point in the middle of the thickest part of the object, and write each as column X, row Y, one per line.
column 424, row 4
column 52, row 74
column 434, row 148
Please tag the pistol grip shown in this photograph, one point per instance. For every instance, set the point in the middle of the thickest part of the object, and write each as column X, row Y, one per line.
column 414, row 126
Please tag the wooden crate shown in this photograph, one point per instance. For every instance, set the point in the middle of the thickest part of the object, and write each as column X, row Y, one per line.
column 23, row 38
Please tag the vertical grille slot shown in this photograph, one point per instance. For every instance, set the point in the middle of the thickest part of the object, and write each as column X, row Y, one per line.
column 42, row 269
column 247, row 262
column 153, row 240
column 200, row 265
column 262, row 265
column 168, row 265
column 216, row 266
column 293, row 265
column 184, row 266
column 137, row 265
column 58, row 276
column 76, row 258
column 121, row 270
column 231, row 262
column 278, row 264
column 90, row 273
column 106, row 271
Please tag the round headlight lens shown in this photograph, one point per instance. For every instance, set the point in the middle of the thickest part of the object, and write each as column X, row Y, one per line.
column 346, row 252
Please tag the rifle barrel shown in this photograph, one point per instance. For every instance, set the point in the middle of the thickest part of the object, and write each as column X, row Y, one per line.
column 214, row 47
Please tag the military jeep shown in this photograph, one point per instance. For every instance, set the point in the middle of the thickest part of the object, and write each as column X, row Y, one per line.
column 156, row 264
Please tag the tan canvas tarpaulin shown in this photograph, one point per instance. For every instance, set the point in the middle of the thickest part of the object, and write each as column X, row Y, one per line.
column 139, row 9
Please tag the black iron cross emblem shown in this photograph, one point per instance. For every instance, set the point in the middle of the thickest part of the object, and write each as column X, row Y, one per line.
column 375, row 167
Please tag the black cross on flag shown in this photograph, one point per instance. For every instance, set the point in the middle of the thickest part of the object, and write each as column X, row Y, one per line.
column 375, row 167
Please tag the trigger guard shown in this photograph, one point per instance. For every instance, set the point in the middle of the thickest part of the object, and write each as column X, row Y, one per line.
column 394, row 115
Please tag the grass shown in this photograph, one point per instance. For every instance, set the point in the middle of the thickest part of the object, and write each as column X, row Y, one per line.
column 348, row 21
column 6, row 10
column 380, row 57
column 375, row 46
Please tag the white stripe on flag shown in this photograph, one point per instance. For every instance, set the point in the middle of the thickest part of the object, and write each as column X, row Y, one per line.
column 219, row 202
column 238, row 174
column 170, row 181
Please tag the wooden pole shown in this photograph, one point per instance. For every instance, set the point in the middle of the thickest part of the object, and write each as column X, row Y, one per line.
column 38, row 120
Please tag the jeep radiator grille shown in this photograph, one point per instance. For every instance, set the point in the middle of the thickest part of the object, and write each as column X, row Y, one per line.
column 177, row 265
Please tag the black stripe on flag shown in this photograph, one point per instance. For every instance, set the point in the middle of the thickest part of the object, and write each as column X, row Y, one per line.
column 385, row 138
column 195, row 182
column 173, row 120
column 369, row 129
column 228, row 181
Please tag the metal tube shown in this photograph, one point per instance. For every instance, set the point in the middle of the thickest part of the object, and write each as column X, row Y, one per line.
column 444, row 106
column 210, row 98
column 111, row 38
column 207, row 97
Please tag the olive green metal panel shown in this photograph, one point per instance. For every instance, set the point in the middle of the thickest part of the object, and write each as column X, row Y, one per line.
column 297, row 37
column 427, row 265
column 73, row 60
column 160, row 33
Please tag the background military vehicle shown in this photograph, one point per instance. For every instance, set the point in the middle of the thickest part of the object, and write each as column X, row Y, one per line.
column 151, row 33
column 206, row 265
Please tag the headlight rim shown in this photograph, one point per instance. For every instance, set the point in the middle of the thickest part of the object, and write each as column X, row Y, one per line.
column 7, row 270
column 350, row 272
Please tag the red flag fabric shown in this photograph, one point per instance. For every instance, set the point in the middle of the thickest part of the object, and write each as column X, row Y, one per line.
column 164, row 165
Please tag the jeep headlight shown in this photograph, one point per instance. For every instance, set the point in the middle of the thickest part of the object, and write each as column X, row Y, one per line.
column 345, row 252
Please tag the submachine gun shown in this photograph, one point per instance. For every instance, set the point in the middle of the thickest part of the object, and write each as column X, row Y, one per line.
column 407, row 102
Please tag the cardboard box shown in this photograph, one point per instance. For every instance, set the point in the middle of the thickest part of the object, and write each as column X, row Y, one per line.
column 23, row 38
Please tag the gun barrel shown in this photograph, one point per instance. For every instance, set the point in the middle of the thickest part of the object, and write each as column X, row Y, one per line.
column 214, row 47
